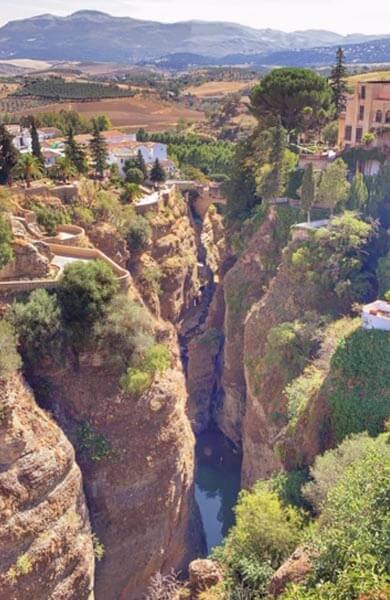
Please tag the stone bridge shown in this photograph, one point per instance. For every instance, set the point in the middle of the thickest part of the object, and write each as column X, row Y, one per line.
column 201, row 195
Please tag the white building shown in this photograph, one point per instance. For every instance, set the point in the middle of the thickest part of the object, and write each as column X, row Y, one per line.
column 377, row 315
column 119, row 154
column 22, row 137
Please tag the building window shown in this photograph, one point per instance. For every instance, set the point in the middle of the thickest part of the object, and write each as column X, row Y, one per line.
column 359, row 134
column 348, row 133
column 361, row 113
column 378, row 116
column 363, row 92
column 387, row 120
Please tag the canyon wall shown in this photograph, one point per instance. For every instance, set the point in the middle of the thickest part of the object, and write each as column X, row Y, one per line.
column 46, row 549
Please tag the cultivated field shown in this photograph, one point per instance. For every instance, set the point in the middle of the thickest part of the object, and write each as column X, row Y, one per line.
column 372, row 76
column 219, row 88
column 151, row 113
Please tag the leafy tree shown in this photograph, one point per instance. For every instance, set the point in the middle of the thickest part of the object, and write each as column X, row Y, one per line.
column 74, row 153
column 329, row 468
column 157, row 174
column 241, row 191
column 9, row 358
column 38, row 324
column 103, row 122
column 134, row 175
column 84, row 292
column 334, row 187
column 9, row 156
column 330, row 133
column 338, row 82
column 125, row 332
column 308, row 190
column 63, row 170
column 131, row 192
column 6, row 252
column 98, row 149
column 29, row 167
column 351, row 541
column 138, row 233
column 49, row 218
column 286, row 93
column 35, row 143
column 358, row 194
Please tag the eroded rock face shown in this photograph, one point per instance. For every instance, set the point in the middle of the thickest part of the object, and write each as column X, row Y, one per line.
column 46, row 549
column 106, row 238
column 203, row 575
column 29, row 262
column 140, row 492
column 294, row 570
column 244, row 284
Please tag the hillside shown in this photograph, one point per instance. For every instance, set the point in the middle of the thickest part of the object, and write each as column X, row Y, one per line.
column 92, row 35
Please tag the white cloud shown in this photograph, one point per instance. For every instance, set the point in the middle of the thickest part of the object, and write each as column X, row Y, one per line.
column 344, row 16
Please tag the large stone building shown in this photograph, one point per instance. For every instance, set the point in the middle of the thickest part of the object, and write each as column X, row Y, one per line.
column 368, row 109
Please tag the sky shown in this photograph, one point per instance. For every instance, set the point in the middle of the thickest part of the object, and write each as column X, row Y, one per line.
column 341, row 16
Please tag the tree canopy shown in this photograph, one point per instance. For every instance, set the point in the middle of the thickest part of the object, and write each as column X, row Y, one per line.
column 286, row 93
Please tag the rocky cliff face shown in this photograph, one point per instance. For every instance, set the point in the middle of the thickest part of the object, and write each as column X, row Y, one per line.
column 244, row 284
column 137, row 460
column 46, row 546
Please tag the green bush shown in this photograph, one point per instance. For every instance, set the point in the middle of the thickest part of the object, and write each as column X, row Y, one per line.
column 157, row 359
column 38, row 323
column 351, row 541
column 125, row 331
column 6, row 237
column 50, row 218
column 135, row 381
column 9, row 358
column 92, row 443
column 84, row 292
column 383, row 274
column 138, row 234
column 329, row 468
column 359, row 388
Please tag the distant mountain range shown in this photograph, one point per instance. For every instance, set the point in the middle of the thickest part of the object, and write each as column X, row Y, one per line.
column 96, row 36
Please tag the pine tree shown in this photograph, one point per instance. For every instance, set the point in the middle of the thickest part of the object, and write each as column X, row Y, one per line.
column 98, row 148
column 36, row 149
column 141, row 164
column 308, row 190
column 157, row 174
column 338, row 82
column 75, row 153
column 9, row 156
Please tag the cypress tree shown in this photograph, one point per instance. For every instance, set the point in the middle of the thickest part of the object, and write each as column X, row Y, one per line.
column 157, row 173
column 9, row 156
column 75, row 153
column 98, row 148
column 36, row 149
column 359, row 193
column 141, row 165
column 338, row 82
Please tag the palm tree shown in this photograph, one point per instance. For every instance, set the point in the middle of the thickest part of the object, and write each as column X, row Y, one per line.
column 63, row 170
column 29, row 166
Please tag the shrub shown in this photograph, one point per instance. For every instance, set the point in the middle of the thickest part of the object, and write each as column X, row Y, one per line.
column 125, row 332
column 50, row 218
column 9, row 358
column 134, row 175
column 329, row 468
column 135, row 381
column 92, row 443
column 84, row 292
column 98, row 548
column 301, row 389
column 359, row 387
column 38, row 323
column 383, row 274
column 138, row 234
column 6, row 252
column 153, row 275
column 157, row 359
column 352, row 537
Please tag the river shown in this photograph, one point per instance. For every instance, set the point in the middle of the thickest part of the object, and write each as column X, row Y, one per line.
column 217, row 484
